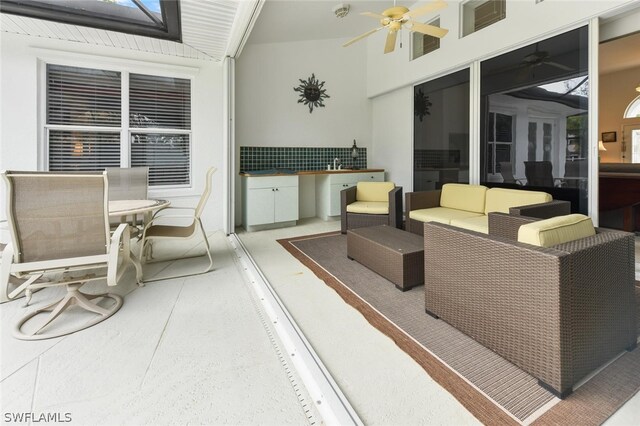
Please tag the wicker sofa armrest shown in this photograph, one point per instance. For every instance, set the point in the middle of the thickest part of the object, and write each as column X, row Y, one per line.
column 417, row 201
column 422, row 200
column 395, row 207
column 347, row 196
column 573, row 302
column 506, row 225
column 543, row 210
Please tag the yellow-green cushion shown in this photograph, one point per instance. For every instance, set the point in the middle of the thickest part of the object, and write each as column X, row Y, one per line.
column 500, row 199
column 478, row 223
column 369, row 207
column 440, row 214
column 463, row 197
column 373, row 191
column 557, row 230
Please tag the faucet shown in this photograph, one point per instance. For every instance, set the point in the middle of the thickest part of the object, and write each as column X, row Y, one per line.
column 337, row 161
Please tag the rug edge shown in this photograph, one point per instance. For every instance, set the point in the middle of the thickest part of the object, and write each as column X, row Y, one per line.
column 472, row 399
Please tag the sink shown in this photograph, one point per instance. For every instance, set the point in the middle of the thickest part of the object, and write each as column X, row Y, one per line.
column 338, row 171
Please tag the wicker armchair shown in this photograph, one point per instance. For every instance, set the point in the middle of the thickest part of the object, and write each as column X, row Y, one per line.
column 558, row 313
column 352, row 220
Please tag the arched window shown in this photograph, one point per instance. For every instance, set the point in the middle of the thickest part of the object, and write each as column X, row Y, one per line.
column 633, row 110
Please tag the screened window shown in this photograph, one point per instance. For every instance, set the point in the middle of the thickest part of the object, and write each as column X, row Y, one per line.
column 150, row 18
column 424, row 43
column 85, row 127
column 478, row 14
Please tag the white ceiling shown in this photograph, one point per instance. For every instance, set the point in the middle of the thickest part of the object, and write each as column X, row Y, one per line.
column 286, row 20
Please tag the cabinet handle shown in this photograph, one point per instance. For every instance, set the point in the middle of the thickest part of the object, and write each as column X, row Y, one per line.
column 277, row 189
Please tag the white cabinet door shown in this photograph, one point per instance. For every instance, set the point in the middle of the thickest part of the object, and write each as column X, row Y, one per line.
column 334, row 194
column 260, row 209
column 286, row 204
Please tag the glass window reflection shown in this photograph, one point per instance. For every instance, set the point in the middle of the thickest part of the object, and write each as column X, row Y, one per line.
column 534, row 106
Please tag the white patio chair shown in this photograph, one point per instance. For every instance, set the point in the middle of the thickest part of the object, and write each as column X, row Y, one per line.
column 127, row 184
column 160, row 228
column 59, row 227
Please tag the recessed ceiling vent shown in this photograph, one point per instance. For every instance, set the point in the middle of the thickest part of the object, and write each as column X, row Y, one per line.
column 341, row 10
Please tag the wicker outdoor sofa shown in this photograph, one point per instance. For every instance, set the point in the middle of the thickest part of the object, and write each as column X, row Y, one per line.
column 467, row 206
column 558, row 313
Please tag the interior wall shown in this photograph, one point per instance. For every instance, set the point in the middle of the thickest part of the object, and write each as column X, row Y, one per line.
column 617, row 91
column 392, row 118
column 20, row 107
column 267, row 108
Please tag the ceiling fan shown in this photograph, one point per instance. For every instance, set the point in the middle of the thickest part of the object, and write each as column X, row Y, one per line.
column 539, row 57
column 395, row 17
column 536, row 59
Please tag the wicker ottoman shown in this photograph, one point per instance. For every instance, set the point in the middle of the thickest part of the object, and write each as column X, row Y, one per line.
column 393, row 253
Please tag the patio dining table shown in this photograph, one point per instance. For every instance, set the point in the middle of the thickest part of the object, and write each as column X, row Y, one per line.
column 132, row 208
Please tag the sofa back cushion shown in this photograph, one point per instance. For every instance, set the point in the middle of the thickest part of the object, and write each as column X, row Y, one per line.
column 463, row 197
column 557, row 230
column 373, row 191
column 501, row 199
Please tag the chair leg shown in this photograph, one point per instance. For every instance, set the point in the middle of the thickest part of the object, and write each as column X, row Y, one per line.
column 73, row 297
column 5, row 273
column 209, row 268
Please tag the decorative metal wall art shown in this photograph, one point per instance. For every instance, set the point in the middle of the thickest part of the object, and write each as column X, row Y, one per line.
column 421, row 104
column 312, row 93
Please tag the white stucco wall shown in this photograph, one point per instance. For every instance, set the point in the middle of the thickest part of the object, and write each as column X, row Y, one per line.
column 21, row 60
column 267, row 108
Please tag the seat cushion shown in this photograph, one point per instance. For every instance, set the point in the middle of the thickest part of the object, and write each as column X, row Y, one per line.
column 440, row 215
column 501, row 199
column 373, row 191
column 369, row 207
column 463, row 197
column 478, row 223
column 557, row 230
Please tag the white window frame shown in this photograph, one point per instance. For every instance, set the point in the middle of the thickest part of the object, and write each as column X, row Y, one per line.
column 125, row 67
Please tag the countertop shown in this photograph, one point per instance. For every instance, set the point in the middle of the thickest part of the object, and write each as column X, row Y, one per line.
column 313, row 172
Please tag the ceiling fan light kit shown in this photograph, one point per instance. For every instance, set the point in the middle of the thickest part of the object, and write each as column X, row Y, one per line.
column 394, row 18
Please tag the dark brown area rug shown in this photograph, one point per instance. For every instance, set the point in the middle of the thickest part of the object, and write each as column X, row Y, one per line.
column 491, row 388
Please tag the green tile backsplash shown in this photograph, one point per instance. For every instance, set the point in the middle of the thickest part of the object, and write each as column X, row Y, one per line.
column 254, row 158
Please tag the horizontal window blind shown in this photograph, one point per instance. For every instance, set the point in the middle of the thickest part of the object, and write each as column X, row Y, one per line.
column 82, row 102
column 83, row 96
column 83, row 150
column 161, row 102
column 166, row 155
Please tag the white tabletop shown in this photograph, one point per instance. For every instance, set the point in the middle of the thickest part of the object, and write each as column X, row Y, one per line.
column 130, row 207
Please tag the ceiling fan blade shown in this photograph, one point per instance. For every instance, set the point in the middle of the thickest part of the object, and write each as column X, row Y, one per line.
column 361, row 36
column 436, row 5
column 390, row 45
column 557, row 65
column 428, row 29
column 373, row 15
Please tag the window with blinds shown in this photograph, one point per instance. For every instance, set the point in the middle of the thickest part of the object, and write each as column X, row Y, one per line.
column 160, row 122
column 84, row 123
column 83, row 118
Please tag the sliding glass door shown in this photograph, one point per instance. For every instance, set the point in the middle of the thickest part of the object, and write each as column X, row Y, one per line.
column 534, row 114
column 441, row 131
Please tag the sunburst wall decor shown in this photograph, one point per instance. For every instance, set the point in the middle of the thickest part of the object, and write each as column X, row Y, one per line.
column 312, row 93
column 421, row 104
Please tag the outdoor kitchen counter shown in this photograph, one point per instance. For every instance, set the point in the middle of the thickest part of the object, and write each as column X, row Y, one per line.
column 312, row 172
